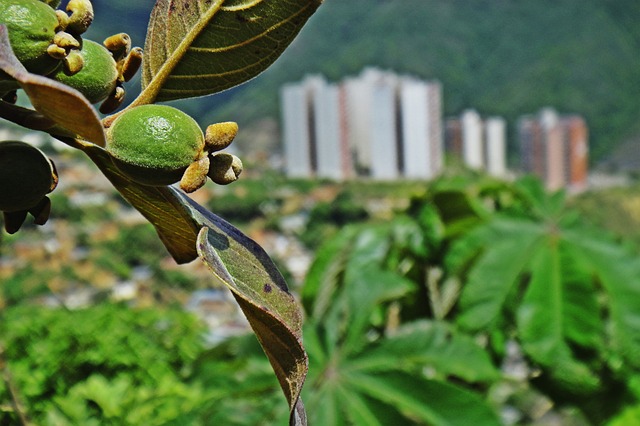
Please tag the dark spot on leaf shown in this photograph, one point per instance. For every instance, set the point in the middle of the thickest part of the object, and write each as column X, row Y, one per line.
column 268, row 288
column 240, row 17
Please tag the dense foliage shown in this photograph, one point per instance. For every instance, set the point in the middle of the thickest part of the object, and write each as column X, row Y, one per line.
column 482, row 302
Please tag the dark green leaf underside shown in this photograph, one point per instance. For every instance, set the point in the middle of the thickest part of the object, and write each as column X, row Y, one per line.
column 197, row 48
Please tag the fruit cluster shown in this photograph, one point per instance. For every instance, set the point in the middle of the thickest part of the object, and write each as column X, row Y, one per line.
column 49, row 42
column 152, row 145
column 160, row 145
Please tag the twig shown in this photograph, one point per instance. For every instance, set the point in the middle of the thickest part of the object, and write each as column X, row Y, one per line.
column 16, row 402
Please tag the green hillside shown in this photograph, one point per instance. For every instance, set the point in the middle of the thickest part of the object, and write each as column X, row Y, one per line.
column 499, row 56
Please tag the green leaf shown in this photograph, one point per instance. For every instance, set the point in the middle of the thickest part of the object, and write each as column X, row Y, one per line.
column 432, row 345
column 196, row 48
column 363, row 410
column 56, row 101
column 582, row 313
column 619, row 272
column 264, row 298
column 541, row 320
column 497, row 271
column 322, row 280
column 434, row 402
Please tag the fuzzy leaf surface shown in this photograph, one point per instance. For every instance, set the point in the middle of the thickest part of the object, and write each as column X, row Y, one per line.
column 197, row 48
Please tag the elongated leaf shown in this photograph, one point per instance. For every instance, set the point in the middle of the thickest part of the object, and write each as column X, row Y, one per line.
column 583, row 323
column 264, row 298
column 542, row 326
column 161, row 206
column 56, row 101
column 434, row 402
column 363, row 410
column 433, row 345
column 365, row 289
column 497, row 271
column 189, row 230
column 619, row 272
column 196, row 48
column 326, row 408
column 322, row 280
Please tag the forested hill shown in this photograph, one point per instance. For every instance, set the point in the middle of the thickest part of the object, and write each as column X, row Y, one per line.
column 505, row 57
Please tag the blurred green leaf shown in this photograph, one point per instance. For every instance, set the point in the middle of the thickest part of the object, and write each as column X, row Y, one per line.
column 350, row 351
column 541, row 320
column 538, row 263
column 433, row 402
column 204, row 47
column 509, row 245
column 425, row 344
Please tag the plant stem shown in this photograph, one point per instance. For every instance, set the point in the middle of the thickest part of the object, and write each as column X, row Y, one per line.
column 16, row 402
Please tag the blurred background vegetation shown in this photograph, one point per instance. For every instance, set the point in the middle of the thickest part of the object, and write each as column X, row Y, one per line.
column 465, row 300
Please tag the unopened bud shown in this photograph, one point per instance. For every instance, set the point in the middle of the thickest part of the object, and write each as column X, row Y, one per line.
column 224, row 168
column 218, row 136
column 81, row 16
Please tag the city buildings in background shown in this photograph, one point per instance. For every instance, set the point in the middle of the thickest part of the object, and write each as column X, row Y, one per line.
column 555, row 148
column 479, row 144
column 377, row 124
column 387, row 126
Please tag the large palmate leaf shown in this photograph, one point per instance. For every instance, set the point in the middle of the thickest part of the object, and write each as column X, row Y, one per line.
column 349, row 354
column 509, row 247
column 619, row 272
column 433, row 402
column 542, row 320
column 196, row 48
column 539, row 264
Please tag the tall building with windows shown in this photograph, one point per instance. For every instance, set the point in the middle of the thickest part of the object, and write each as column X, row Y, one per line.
column 479, row 144
column 296, row 132
column 472, row 140
column 377, row 124
column 576, row 166
column 495, row 135
column 421, row 128
column 555, row 148
column 313, row 130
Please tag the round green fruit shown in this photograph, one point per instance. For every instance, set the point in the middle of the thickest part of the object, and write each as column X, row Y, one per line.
column 32, row 26
column 154, row 144
column 98, row 76
column 26, row 176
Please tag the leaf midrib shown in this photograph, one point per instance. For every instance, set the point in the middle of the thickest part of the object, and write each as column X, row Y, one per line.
column 154, row 87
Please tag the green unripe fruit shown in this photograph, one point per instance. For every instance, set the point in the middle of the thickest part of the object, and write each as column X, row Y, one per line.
column 32, row 26
column 154, row 144
column 53, row 3
column 26, row 176
column 98, row 76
